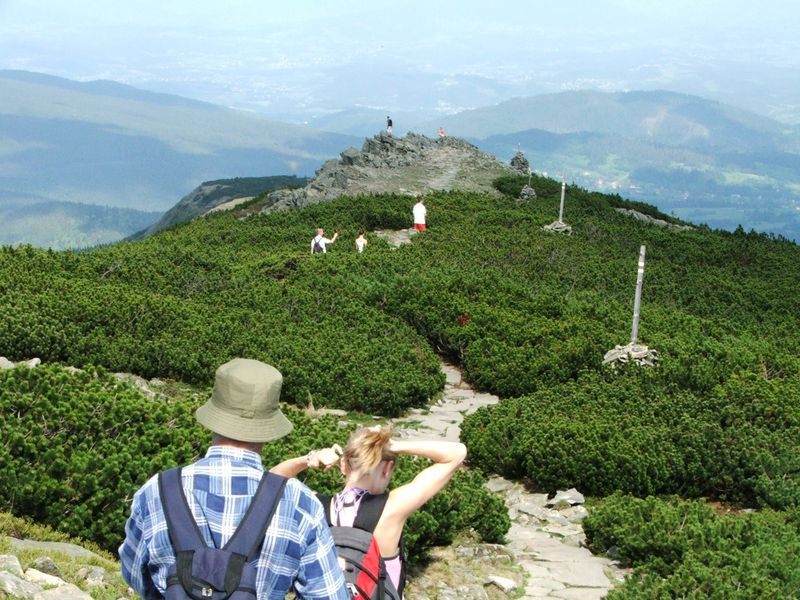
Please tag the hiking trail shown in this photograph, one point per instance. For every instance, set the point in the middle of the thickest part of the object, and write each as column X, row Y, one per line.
column 546, row 543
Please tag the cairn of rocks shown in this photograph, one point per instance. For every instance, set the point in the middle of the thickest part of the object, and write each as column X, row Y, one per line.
column 636, row 353
column 527, row 193
column 520, row 163
column 558, row 227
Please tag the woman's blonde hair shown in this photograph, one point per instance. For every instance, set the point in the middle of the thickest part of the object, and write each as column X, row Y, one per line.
column 366, row 448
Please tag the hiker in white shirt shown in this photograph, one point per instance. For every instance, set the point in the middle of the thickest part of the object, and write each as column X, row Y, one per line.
column 361, row 241
column 419, row 211
column 320, row 242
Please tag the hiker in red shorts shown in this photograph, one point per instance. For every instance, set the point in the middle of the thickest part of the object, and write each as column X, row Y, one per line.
column 420, row 211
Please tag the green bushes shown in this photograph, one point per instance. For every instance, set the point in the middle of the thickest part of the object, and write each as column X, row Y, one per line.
column 739, row 443
column 682, row 549
column 76, row 446
column 520, row 308
column 528, row 314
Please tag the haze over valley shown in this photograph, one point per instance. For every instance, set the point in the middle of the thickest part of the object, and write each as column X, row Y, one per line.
column 692, row 107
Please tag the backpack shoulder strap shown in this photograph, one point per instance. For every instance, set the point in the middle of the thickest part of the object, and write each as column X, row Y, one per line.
column 370, row 511
column 325, row 500
column 183, row 530
column 249, row 535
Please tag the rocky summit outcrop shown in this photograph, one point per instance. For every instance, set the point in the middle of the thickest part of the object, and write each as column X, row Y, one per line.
column 414, row 164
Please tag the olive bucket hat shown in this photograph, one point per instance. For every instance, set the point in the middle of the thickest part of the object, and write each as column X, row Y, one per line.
column 244, row 404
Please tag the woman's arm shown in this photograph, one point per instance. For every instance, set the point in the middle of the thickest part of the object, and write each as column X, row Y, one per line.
column 403, row 501
column 292, row 467
column 447, row 456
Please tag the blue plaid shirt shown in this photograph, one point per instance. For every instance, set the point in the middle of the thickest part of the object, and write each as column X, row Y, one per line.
column 298, row 548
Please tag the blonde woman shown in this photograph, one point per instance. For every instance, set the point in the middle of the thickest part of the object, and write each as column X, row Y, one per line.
column 361, row 241
column 367, row 464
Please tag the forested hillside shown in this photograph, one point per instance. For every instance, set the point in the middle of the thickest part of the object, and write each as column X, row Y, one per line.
column 528, row 314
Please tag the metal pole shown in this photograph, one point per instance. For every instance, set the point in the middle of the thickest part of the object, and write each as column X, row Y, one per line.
column 563, row 190
column 638, row 301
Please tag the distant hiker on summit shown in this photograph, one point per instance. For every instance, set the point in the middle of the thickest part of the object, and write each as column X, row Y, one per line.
column 222, row 527
column 388, row 124
column 319, row 244
column 419, row 211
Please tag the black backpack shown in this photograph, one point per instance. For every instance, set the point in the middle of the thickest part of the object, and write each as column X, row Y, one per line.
column 359, row 556
column 204, row 573
column 317, row 248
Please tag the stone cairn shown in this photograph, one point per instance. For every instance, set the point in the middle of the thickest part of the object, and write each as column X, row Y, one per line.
column 520, row 163
column 633, row 353
column 558, row 227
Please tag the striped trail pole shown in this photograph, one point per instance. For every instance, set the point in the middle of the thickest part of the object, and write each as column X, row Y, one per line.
column 638, row 301
column 563, row 190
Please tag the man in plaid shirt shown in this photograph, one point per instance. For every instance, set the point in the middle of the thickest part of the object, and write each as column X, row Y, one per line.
column 298, row 550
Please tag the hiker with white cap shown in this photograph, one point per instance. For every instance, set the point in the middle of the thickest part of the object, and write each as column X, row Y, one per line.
column 292, row 548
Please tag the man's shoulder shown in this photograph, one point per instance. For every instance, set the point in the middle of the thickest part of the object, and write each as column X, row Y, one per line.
column 300, row 494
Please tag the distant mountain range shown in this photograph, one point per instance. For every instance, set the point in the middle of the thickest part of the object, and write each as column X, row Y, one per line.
column 30, row 219
column 104, row 143
column 704, row 161
column 107, row 144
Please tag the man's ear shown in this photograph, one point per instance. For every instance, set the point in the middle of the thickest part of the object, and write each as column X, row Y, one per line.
column 388, row 467
column 343, row 466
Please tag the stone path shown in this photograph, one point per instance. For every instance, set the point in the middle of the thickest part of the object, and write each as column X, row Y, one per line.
column 545, row 542
column 396, row 237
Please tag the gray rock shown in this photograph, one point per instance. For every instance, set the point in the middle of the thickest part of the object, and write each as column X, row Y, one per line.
column 64, row 592
column 652, row 220
column 505, row 584
column 10, row 564
column 558, row 227
column 575, row 514
column 93, row 576
column 5, row 363
column 63, row 547
column 472, row 592
column 43, row 579
column 637, row 353
column 352, row 156
column 520, row 163
column 34, row 362
column 17, row 587
column 527, row 193
column 498, row 484
column 45, row 564
column 336, row 412
column 570, row 496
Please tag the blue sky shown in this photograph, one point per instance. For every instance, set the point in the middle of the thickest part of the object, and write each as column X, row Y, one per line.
column 280, row 57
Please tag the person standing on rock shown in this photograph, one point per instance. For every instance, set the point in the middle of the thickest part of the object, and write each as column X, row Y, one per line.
column 367, row 464
column 297, row 550
column 388, row 124
column 319, row 243
column 419, row 212
column 361, row 241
